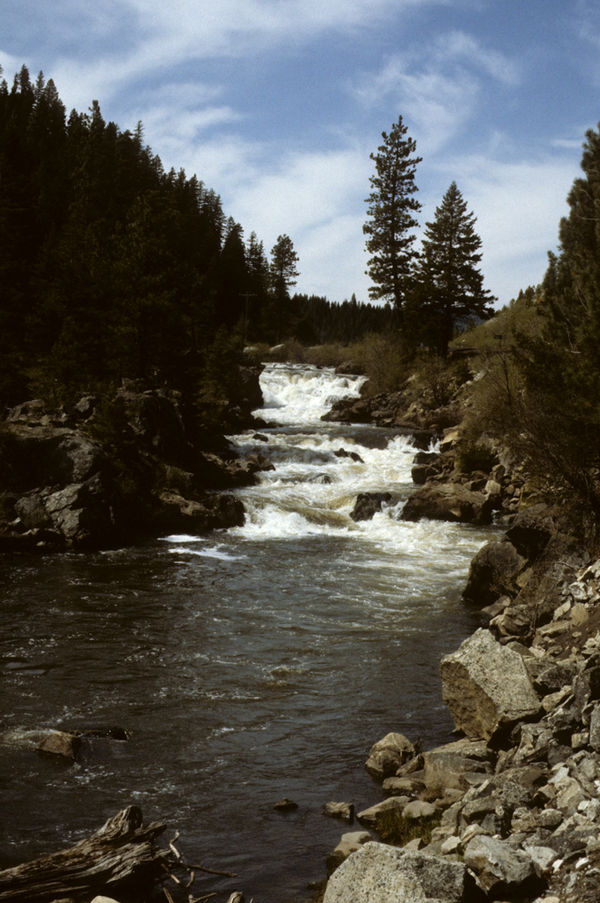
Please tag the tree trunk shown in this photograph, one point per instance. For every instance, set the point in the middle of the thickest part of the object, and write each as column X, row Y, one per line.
column 119, row 858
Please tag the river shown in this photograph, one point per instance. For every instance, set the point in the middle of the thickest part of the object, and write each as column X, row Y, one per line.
column 248, row 665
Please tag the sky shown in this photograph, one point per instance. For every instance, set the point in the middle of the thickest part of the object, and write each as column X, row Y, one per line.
column 277, row 105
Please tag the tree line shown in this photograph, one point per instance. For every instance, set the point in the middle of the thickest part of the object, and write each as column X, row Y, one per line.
column 112, row 267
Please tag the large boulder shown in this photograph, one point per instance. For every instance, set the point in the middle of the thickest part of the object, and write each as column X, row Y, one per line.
column 449, row 502
column 378, row 873
column 426, row 465
column 486, row 686
column 493, row 573
column 80, row 513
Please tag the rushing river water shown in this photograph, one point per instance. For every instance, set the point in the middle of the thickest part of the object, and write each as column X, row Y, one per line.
column 249, row 664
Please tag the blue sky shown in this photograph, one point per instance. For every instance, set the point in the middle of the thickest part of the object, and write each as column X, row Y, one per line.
column 277, row 104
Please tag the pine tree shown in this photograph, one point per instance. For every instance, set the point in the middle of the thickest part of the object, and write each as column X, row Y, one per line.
column 283, row 263
column 448, row 284
column 282, row 275
column 392, row 211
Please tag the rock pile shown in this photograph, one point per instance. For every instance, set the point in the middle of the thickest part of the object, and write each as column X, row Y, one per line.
column 513, row 807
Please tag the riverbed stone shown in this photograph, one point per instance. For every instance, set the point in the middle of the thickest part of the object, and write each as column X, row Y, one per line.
column 388, row 754
column 486, row 686
column 378, row 873
column 345, row 811
column 61, row 743
column 374, row 814
column 368, row 504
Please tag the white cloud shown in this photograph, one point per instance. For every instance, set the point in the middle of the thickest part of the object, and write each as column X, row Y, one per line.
column 436, row 106
column 10, row 65
column 457, row 45
column 438, row 92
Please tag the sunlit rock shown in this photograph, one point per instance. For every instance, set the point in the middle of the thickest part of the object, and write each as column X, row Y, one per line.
column 486, row 686
column 388, row 754
column 378, row 873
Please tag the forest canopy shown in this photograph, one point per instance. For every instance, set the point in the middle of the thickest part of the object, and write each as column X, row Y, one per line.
column 112, row 267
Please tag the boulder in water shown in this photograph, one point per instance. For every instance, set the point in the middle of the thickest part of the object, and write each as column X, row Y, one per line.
column 345, row 811
column 451, row 502
column 368, row 504
column 388, row 754
column 354, row 456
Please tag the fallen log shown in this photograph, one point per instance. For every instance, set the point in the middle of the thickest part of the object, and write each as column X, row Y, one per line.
column 120, row 859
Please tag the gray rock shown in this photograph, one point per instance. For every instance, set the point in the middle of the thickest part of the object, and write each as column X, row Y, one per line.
column 345, row 811
column 388, row 754
column 449, row 765
column 492, row 573
column 348, row 843
column 381, row 874
column 595, row 728
column 187, row 515
column 373, row 814
column 419, row 809
column 486, row 686
column 61, row 743
column 81, row 512
column 498, row 867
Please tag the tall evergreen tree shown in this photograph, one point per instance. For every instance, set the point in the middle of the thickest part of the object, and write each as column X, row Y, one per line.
column 448, row 284
column 392, row 211
column 283, row 262
column 283, row 273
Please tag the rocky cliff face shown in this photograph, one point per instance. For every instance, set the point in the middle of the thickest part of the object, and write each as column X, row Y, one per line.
column 111, row 471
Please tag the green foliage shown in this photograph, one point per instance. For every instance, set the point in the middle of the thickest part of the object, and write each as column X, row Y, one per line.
column 558, row 407
column 385, row 361
column 392, row 216
column 448, row 286
column 437, row 380
column 109, row 266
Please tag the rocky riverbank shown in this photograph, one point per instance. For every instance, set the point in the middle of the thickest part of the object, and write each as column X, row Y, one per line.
column 109, row 471
column 510, row 810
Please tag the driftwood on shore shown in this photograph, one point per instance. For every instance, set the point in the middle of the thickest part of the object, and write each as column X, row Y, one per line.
column 120, row 857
